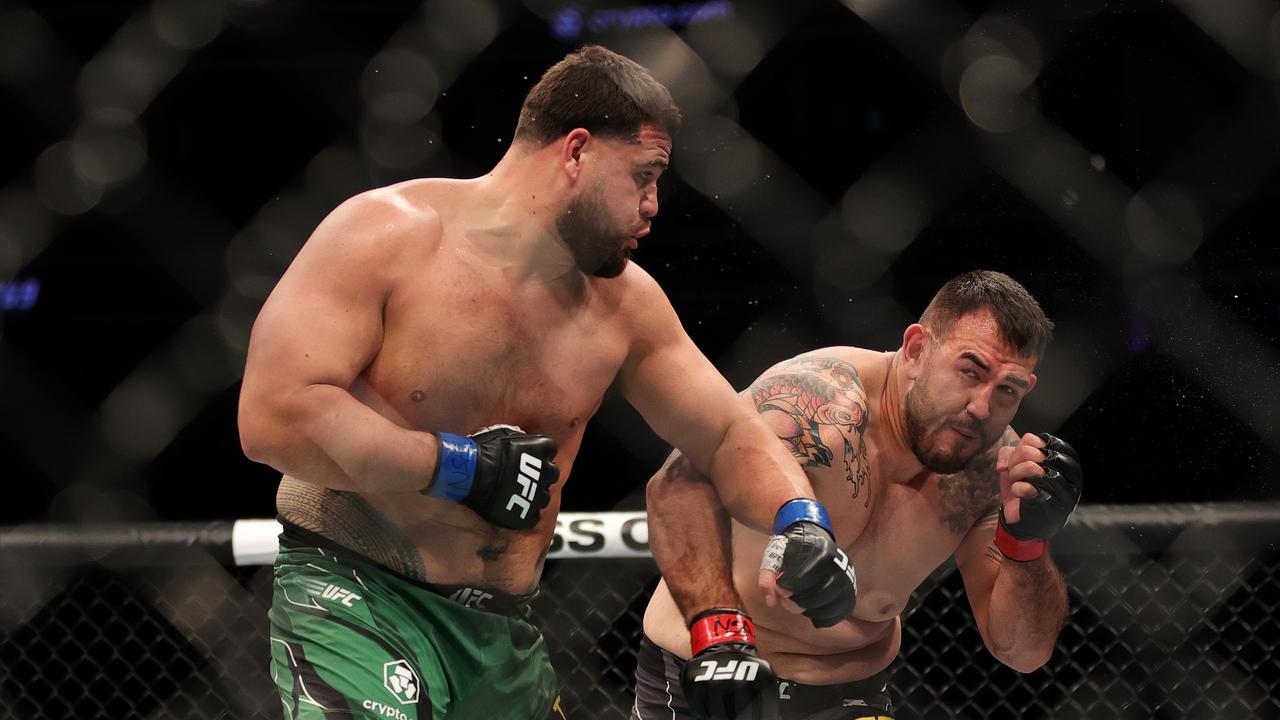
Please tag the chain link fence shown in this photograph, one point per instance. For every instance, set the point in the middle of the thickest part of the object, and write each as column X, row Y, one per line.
column 165, row 159
column 1175, row 613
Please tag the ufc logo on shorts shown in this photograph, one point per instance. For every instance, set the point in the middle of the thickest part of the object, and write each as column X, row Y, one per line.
column 530, row 471
column 730, row 670
column 470, row 597
column 337, row 594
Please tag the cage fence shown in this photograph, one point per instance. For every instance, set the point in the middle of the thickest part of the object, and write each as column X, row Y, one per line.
column 1175, row 612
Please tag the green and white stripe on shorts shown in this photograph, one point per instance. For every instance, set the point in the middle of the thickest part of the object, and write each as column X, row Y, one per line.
column 352, row 639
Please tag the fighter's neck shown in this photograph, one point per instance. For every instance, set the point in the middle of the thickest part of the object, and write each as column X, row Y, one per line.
column 526, row 189
column 511, row 227
column 896, row 460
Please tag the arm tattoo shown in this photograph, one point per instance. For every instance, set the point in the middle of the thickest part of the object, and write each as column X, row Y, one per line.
column 813, row 392
column 973, row 493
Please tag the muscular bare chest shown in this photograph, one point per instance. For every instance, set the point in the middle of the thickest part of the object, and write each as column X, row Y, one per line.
column 897, row 531
column 466, row 348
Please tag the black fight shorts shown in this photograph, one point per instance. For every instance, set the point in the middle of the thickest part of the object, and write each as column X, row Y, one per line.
column 659, row 697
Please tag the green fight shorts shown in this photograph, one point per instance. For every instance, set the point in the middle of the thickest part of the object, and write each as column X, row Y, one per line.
column 351, row 639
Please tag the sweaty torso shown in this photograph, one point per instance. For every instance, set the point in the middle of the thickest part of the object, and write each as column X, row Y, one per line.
column 467, row 344
column 896, row 530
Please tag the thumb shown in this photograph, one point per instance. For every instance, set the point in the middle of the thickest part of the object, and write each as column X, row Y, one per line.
column 1003, row 457
column 1012, row 509
column 768, row 582
column 771, row 569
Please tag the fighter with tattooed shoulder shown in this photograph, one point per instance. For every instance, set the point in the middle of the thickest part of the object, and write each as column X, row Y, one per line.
column 912, row 455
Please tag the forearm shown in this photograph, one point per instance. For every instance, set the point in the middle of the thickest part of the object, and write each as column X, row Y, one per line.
column 323, row 435
column 754, row 474
column 689, row 537
column 1026, row 612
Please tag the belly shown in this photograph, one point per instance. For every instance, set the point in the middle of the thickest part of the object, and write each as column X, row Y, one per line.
column 852, row 650
column 435, row 541
column 421, row 538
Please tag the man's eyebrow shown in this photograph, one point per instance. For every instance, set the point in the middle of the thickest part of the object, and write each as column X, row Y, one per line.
column 1011, row 379
column 1015, row 380
column 974, row 359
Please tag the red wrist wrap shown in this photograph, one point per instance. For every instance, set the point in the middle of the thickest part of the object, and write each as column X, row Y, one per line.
column 1015, row 549
column 727, row 626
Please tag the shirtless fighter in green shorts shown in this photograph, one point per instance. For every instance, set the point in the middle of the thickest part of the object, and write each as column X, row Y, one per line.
column 422, row 375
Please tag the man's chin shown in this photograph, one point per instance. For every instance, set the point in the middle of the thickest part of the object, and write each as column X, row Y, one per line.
column 614, row 267
column 947, row 467
column 946, row 463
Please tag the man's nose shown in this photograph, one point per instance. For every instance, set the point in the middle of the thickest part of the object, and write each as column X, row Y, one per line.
column 649, row 203
column 980, row 403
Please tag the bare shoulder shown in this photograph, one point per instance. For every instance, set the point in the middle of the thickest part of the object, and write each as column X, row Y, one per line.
column 829, row 372
column 389, row 219
column 852, row 369
column 638, row 301
column 386, row 228
column 816, row 404
column 634, row 285
column 854, row 357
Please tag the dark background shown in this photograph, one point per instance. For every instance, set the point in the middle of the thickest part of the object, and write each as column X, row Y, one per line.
column 162, row 162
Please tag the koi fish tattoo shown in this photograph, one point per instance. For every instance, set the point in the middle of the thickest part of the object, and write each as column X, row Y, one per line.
column 816, row 392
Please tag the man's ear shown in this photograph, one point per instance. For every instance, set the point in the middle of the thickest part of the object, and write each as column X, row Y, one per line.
column 915, row 341
column 572, row 147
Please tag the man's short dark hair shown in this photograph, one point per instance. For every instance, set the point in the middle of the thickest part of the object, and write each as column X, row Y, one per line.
column 597, row 89
column 1021, row 320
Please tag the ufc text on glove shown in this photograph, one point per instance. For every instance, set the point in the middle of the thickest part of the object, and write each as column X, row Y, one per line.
column 725, row 679
column 501, row 472
column 809, row 564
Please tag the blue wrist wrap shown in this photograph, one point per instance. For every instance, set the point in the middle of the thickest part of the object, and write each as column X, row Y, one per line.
column 793, row 511
column 455, row 467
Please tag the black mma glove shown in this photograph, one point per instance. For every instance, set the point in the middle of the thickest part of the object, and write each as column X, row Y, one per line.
column 725, row 679
column 501, row 472
column 1043, row 515
column 812, row 567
